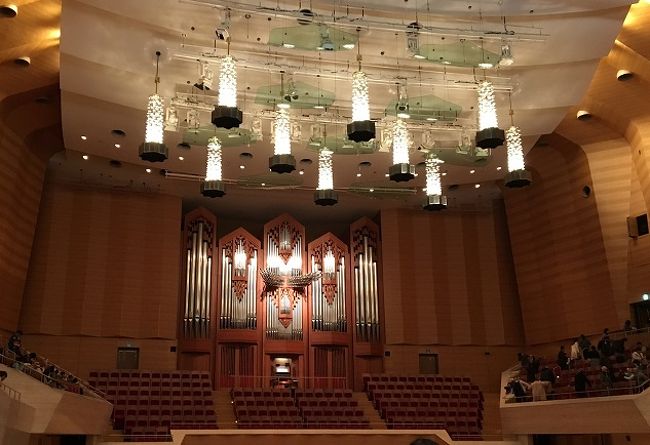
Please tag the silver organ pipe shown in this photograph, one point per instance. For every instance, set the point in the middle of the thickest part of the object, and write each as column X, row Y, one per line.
column 366, row 292
column 238, row 312
column 198, row 282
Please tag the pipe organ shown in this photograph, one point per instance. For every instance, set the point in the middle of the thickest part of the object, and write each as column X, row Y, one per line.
column 238, row 288
column 328, row 256
column 365, row 258
column 285, row 242
column 198, row 279
column 247, row 304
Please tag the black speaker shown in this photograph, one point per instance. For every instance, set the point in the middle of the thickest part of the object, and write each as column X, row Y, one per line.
column 73, row 439
column 637, row 225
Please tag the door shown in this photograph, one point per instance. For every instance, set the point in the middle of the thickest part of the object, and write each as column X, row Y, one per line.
column 128, row 358
column 428, row 363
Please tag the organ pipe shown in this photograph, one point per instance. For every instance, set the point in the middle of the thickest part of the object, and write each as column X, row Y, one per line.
column 238, row 287
column 366, row 298
column 198, row 284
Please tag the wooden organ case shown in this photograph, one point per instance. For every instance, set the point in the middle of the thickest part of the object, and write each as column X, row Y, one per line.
column 251, row 307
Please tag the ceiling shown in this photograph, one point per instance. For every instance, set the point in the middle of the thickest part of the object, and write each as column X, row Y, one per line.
column 107, row 69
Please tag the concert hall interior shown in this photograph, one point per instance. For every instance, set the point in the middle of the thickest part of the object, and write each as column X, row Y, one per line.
column 412, row 222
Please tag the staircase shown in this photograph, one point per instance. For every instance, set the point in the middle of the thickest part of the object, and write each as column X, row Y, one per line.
column 376, row 422
column 223, row 410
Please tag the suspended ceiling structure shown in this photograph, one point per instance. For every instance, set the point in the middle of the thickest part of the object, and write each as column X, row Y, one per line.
column 429, row 55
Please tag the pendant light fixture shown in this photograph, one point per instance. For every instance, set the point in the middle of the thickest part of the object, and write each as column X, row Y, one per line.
column 325, row 194
column 401, row 170
column 213, row 186
column 282, row 160
column 226, row 114
column 517, row 175
column 361, row 129
column 435, row 199
column 489, row 134
column 153, row 149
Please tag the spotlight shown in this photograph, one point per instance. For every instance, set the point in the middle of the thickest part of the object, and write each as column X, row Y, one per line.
column 23, row 61
column 583, row 115
column 624, row 75
column 8, row 11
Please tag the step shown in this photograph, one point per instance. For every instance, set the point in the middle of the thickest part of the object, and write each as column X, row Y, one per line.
column 376, row 422
column 224, row 410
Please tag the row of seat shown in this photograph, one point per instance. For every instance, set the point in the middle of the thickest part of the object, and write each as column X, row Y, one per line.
column 376, row 396
column 447, row 386
column 119, row 374
column 106, row 385
column 425, row 404
column 457, row 428
column 413, row 378
column 299, row 393
column 158, row 393
column 161, row 403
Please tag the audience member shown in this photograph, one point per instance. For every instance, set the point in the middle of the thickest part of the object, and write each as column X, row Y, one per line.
column 637, row 374
column 562, row 359
column 547, row 375
column 639, row 358
column 606, row 378
column 605, row 346
column 580, row 383
column 532, row 369
column 518, row 388
column 15, row 342
column 3, row 376
column 539, row 388
column 592, row 355
column 575, row 352
column 584, row 343
column 627, row 326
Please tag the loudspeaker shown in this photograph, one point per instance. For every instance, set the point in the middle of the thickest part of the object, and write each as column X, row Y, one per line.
column 637, row 225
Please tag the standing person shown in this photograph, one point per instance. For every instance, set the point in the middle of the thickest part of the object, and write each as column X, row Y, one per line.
column 580, row 382
column 606, row 378
column 539, row 388
column 562, row 359
column 576, row 353
column 584, row 343
column 15, row 342
column 533, row 368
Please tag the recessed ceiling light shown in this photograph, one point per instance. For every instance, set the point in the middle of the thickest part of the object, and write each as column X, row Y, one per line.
column 181, row 158
column 319, row 107
column 446, row 62
column 148, row 170
column 386, row 175
column 419, row 56
column 85, row 157
column 403, row 115
column 348, row 45
column 84, row 137
column 472, row 171
column 23, row 61
column 117, row 145
column 371, row 190
column 9, row 11
column 289, row 45
column 476, row 186
column 485, row 65
column 263, row 184
column 499, row 168
column 320, row 48
column 302, row 172
column 583, row 115
column 424, row 189
column 242, row 166
column 444, row 173
column 432, row 119
column 624, row 75
column 359, row 175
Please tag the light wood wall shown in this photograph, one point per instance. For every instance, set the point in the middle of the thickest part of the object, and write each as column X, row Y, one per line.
column 104, row 263
column 449, row 278
column 558, row 247
column 21, row 180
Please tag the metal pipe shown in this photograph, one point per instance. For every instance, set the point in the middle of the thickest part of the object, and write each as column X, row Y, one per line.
column 209, row 297
column 192, row 283
column 187, row 292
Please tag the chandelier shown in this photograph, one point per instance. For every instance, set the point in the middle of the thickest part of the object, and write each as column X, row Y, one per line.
column 489, row 134
column 517, row 175
column 226, row 114
column 153, row 149
column 282, row 160
column 435, row 199
column 213, row 186
column 401, row 170
column 361, row 129
column 325, row 194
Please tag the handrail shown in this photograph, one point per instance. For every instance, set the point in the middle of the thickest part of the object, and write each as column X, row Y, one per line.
column 604, row 392
column 38, row 375
column 13, row 394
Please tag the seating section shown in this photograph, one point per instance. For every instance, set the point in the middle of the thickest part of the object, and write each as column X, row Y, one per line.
column 148, row 403
column 564, row 386
column 281, row 409
column 427, row 402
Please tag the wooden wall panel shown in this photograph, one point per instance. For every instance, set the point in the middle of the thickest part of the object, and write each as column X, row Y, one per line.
column 104, row 263
column 21, row 181
column 449, row 278
column 558, row 248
